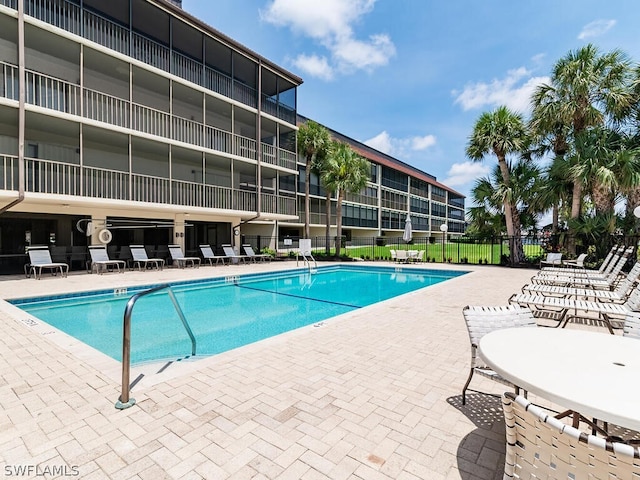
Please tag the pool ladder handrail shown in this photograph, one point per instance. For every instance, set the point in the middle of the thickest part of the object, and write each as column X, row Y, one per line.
column 305, row 257
column 125, row 401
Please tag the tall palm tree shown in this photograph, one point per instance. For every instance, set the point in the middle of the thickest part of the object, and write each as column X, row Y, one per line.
column 555, row 192
column 586, row 89
column 502, row 133
column 318, row 166
column 313, row 141
column 345, row 172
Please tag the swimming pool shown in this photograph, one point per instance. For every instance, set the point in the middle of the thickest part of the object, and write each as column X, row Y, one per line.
column 225, row 312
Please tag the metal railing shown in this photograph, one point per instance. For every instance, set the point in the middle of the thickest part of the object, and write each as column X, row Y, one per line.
column 125, row 401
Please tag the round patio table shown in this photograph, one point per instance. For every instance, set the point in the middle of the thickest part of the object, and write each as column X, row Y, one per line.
column 595, row 374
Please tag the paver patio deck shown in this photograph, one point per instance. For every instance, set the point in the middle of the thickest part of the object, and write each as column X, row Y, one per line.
column 372, row 394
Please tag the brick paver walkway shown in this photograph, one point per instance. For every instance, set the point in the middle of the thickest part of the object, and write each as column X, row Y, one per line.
column 373, row 394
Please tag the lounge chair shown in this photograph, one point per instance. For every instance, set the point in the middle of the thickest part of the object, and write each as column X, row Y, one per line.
column 100, row 261
column 177, row 256
column 209, row 256
column 619, row 294
column 39, row 259
column 482, row 320
column 142, row 261
column 232, row 255
column 557, row 309
column 539, row 445
column 253, row 256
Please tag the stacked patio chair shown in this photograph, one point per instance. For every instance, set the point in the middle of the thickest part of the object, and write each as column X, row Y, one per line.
column 558, row 308
column 539, row 445
column 482, row 320
column 618, row 295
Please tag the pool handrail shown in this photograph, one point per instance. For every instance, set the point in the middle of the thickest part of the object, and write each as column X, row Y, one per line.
column 125, row 401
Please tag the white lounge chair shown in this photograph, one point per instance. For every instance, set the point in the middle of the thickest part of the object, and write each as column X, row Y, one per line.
column 619, row 294
column 482, row 320
column 253, row 256
column 232, row 255
column 539, row 445
column 614, row 266
column 178, row 257
column 100, row 261
column 39, row 259
column 209, row 256
column 142, row 261
column 557, row 308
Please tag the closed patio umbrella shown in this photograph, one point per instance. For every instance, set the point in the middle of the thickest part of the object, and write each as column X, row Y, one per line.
column 408, row 234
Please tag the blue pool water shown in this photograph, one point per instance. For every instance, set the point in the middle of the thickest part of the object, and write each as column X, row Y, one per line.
column 224, row 313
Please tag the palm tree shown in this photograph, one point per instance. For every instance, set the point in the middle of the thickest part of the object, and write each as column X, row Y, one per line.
column 502, row 132
column 585, row 90
column 555, row 192
column 345, row 172
column 318, row 166
column 313, row 141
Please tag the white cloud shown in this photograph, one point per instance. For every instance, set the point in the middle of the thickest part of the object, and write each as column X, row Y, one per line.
column 400, row 147
column 514, row 91
column 596, row 28
column 329, row 23
column 464, row 173
column 315, row 66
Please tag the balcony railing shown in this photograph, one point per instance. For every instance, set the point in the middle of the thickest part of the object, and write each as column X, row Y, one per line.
column 52, row 93
column 72, row 18
column 60, row 178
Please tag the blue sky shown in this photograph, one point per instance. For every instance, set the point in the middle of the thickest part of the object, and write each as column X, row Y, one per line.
column 411, row 77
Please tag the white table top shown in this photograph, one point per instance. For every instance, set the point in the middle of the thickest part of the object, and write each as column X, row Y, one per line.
column 596, row 374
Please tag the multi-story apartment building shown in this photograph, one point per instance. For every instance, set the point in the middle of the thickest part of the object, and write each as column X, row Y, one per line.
column 395, row 189
column 134, row 122
column 141, row 119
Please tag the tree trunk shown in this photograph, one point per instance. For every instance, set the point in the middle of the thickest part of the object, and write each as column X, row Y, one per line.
column 517, row 251
column 307, row 180
column 327, row 228
column 555, row 218
column 339, row 223
column 576, row 210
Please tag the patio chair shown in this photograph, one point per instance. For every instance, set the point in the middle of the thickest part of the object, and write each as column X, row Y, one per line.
column 401, row 256
column 254, row 257
column 482, row 320
column 539, row 445
column 141, row 260
column 557, row 308
column 178, row 257
column 209, row 256
column 232, row 255
column 618, row 295
column 394, row 257
column 552, row 259
column 100, row 261
column 39, row 259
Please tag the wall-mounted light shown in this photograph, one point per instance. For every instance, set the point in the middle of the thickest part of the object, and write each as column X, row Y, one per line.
column 179, row 234
column 236, row 232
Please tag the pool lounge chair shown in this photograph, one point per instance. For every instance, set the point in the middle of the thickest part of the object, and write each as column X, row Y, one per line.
column 232, row 255
column 558, row 309
column 539, row 445
column 253, row 256
column 209, row 256
column 178, row 257
column 39, row 259
column 482, row 320
column 619, row 294
column 142, row 261
column 100, row 261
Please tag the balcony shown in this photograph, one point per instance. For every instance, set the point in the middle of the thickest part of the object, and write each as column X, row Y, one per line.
column 54, row 94
column 98, row 29
column 58, row 178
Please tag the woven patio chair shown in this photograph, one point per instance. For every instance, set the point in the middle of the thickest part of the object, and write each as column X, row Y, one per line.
column 541, row 446
column 482, row 320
